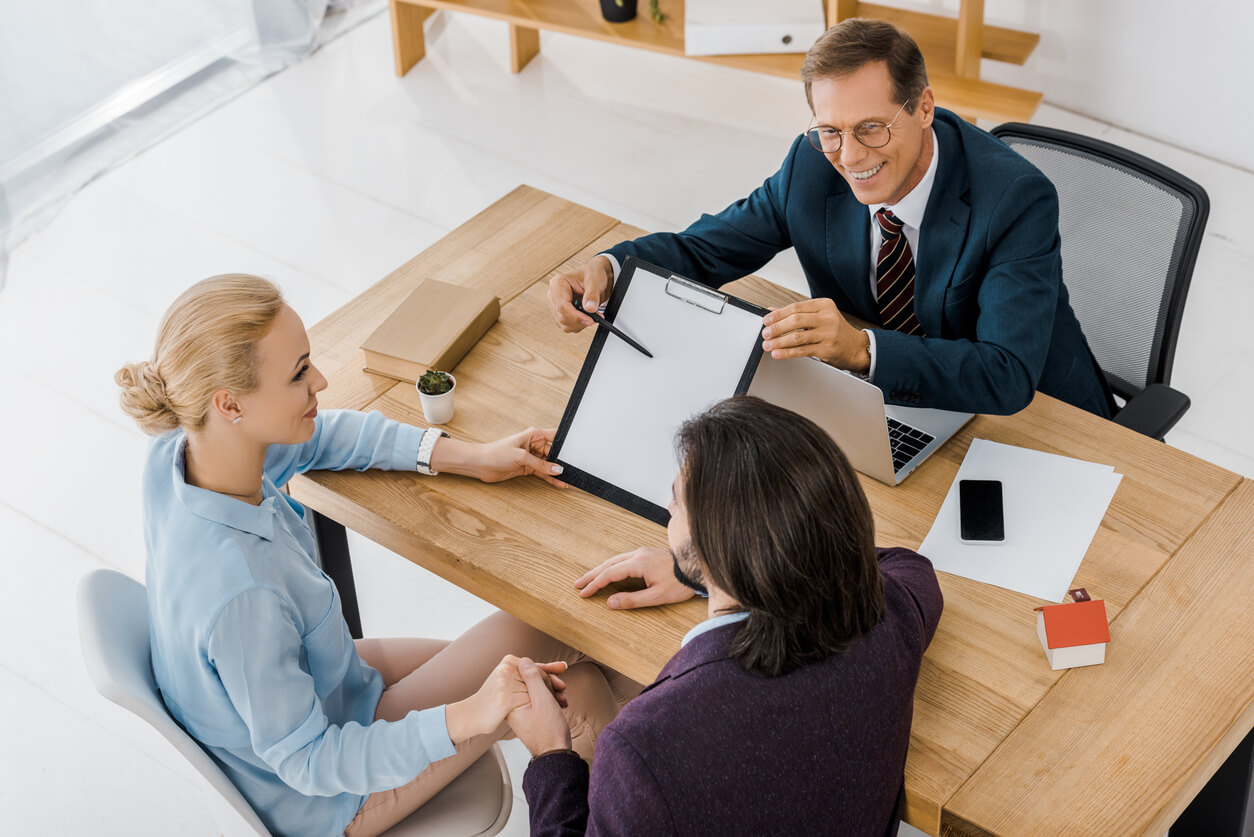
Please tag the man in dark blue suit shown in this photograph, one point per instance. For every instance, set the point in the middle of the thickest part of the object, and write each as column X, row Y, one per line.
column 788, row 711
column 907, row 217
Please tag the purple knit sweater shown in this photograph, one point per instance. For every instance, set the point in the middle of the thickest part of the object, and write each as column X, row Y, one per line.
column 710, row 748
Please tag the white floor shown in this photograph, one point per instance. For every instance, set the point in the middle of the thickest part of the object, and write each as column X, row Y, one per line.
column 326, row 177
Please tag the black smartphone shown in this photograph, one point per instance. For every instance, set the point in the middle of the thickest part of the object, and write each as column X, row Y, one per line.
column 980, row 512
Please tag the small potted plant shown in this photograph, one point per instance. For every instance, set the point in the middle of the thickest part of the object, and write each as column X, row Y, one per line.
column 435, row 391
column 618, row 11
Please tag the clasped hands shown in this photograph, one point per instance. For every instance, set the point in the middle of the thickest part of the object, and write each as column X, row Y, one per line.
column 527, row 695
column 809, row 328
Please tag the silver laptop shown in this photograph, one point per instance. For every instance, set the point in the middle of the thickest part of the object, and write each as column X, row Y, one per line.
column 883, row 442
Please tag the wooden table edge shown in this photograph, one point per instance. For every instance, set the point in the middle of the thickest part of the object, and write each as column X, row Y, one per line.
column 954, row 825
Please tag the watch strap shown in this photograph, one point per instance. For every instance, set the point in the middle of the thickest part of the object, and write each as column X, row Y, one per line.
column 425, row 448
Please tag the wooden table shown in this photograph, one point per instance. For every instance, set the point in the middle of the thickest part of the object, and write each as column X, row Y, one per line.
column 1000, row 743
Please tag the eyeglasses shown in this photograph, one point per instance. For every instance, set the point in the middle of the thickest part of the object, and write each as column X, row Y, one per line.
column 871, row 134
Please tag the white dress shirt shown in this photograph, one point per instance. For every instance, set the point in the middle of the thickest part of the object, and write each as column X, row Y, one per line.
column 909, row 211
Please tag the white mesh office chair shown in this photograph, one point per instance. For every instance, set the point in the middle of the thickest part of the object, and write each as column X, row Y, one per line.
column 113, row 629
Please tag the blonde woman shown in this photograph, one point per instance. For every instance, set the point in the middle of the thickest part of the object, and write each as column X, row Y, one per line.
column 250, row 649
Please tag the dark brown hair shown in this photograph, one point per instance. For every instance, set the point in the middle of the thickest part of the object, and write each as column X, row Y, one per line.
column 853, row 43
column 780, row 524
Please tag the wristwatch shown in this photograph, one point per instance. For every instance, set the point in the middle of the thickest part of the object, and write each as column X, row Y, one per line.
column 564, row 750
column 425, row 447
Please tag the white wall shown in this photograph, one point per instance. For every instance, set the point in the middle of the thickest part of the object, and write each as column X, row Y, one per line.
column 1176, row 71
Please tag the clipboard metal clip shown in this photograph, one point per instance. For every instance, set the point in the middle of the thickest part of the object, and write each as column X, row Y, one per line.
column 694, row 294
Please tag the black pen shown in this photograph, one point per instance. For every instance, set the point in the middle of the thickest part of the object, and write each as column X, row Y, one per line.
column 599, row 320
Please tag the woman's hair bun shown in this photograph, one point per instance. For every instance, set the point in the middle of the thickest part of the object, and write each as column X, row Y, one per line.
column 144, row 399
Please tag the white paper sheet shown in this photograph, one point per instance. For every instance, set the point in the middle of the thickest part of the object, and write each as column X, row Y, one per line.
column 624, row 429
column 1053, row 506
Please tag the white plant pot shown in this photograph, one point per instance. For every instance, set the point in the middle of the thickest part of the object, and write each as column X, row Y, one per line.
column 438, row 409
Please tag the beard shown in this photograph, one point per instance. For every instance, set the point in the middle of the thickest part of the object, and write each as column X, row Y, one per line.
column 688, row 568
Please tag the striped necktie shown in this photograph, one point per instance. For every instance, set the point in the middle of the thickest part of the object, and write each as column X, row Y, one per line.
column 894, row 277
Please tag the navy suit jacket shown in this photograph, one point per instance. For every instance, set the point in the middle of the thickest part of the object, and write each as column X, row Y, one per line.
column 710, row 748
column 996, row 318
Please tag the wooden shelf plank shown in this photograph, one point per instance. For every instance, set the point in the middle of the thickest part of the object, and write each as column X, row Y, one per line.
column 524, row 44
column 936, row 36
column 985, row 100
column 581, row 18
column 969, row 42
column 933, row 31
column 408, row 44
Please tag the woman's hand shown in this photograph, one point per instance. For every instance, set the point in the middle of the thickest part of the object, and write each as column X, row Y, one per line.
column 504, row 691
column 539, row 724
column 514, row 456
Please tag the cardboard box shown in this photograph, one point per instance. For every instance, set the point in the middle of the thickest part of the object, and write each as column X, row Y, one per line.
column 433, row 328
column 738, row 27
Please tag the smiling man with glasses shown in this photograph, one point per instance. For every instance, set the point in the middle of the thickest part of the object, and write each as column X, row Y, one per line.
column 905, row 216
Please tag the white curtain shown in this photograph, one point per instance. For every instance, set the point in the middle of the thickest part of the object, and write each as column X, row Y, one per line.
column 86, row 84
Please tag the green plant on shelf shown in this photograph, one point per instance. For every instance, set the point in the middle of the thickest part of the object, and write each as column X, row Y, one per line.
column 653, row 10
column 434, row 382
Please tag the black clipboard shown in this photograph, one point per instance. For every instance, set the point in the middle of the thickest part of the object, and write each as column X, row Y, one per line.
column 655, row 289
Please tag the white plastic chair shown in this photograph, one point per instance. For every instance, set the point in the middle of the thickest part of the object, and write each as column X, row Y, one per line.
column 113, row 629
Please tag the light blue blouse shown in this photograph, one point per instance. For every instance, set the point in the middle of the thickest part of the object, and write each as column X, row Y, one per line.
column 250, row 648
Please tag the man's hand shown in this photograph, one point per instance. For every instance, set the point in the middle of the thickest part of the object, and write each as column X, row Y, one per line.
column 654, row 565
column 591, row 283
column 538, row 723
column 502, row 693
column 816, row 328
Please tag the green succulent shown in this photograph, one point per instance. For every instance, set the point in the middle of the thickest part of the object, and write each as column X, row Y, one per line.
column 434, row 382
column 653, row 10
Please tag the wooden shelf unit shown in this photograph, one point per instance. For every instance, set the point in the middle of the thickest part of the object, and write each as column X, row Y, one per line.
column 948, row 44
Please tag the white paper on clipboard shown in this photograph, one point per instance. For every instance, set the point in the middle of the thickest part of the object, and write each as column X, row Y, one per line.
column 620, row 428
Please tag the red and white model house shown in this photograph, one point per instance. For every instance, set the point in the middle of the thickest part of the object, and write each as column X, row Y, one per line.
column 1073, row 634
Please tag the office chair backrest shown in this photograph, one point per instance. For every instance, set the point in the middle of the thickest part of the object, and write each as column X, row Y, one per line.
column 1130, row 231
column 113, row 630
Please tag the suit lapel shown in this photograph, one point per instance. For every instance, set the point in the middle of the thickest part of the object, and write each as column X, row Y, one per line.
column 944, row 231
column 849, row 254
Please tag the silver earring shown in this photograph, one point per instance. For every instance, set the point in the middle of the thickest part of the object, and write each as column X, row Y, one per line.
column 238, row 419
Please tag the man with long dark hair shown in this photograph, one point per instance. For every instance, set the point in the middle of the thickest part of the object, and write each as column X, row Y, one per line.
column 787, row 711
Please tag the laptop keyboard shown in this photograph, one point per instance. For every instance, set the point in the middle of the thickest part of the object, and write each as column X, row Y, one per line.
column 906, row 441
